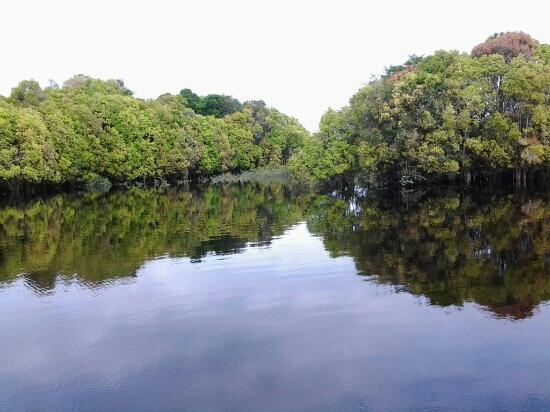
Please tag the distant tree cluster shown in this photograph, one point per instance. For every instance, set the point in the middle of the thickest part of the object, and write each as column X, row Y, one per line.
column 443, row 117
column 90, row 129
column 217, row 105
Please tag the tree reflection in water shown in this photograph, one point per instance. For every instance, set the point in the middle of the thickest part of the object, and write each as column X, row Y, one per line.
column 492, row 250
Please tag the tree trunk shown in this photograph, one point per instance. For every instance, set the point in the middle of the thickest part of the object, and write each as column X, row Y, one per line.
column 14, row 185
column 467, row 177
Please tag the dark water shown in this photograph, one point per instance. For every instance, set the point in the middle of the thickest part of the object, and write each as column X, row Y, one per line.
column 260, row 298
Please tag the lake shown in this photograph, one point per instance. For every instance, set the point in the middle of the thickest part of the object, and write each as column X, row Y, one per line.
column 271, row 297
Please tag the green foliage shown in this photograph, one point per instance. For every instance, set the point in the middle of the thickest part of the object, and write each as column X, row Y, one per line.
column 322, row 161
column 27, row 93
column 239, row 129
column 191, row 99
column 282, row 137
column 90, row 130
column 445, row 116
column 25, row 153
column 264, row 175
column 217, row 105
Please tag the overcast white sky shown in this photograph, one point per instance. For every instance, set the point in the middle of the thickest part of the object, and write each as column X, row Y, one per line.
column 298, row 56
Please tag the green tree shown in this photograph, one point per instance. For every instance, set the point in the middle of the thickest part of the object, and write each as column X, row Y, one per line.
column 27, row 93
column 450, row 115
column 25, row 153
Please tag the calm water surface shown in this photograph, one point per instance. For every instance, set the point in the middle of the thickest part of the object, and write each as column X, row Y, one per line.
column 261, row 298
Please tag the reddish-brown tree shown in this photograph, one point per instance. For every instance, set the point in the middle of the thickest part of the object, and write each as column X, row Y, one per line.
column 509, row 45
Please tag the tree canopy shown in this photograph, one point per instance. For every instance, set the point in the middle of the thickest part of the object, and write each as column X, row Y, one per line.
column 446, row 116
column 217, row 105
column 91, row 128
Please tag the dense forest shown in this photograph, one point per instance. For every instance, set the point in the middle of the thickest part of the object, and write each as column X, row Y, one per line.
column 446, row 117
column 90, row 130
column 449, row 116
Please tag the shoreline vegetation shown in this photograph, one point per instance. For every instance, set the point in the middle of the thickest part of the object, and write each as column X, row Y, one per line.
column 93, row 133
column 447, row 118
column 279, row 174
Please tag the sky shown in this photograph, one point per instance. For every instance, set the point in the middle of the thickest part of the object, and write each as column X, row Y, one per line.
column 301, row 57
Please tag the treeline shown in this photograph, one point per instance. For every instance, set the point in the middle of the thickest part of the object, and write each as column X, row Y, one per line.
column 89, row 129
column 448, row 116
